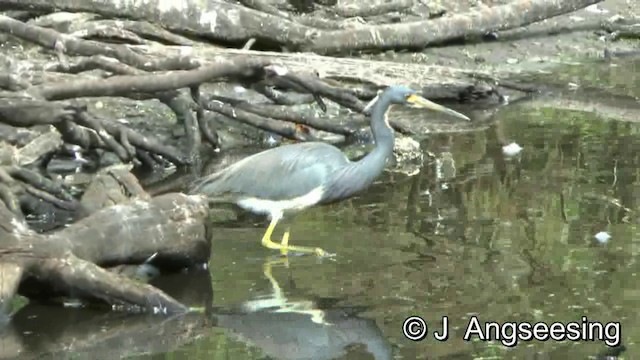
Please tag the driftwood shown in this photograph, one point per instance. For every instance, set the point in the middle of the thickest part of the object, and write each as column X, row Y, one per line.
column 235, row 23
column 370, row 8
column 68, row 263
column 376, row 74
column 423, row 33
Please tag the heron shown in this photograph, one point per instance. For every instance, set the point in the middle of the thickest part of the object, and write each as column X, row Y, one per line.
column 290, row 178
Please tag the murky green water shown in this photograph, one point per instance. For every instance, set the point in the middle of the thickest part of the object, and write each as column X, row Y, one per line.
column 474, row 233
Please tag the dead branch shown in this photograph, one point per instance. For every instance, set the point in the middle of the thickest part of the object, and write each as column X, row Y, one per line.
column 278, row 127
column 285, row 113
column 29, row 112
column 151, row 83
column 423, row 33
column 376, row 74
column 53, row 40
column 370, row 8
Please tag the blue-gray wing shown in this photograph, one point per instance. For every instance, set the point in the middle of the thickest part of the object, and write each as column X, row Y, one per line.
column 281, row 173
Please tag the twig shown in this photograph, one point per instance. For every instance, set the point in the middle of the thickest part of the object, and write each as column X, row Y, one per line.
column 40, row 182
column 283, row 129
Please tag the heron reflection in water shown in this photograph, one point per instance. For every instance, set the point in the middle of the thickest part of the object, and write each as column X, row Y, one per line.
column 286, row 329
column 293, row 177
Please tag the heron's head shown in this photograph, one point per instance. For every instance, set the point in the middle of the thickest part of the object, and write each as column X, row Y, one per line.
column 403, row 95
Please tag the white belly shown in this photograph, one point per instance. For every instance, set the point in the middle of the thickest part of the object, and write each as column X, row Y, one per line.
column 277, row 208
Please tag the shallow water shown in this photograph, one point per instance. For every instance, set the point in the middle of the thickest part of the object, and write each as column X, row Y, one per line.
column 474, row 233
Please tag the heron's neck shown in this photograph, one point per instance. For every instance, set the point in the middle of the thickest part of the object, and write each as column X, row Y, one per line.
column 376, row 160
column 360, row 174
column 382, row 134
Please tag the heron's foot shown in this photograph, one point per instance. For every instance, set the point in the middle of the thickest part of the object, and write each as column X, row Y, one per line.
column 284, row 249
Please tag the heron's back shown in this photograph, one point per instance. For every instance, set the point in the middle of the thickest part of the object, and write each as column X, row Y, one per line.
column 279, row 174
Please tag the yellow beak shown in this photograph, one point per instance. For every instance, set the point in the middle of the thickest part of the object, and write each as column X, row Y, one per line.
column 420, row 102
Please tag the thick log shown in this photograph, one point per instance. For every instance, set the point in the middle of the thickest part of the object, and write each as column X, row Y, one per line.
column 66, row 263
column 170, row 226
column 420, row 34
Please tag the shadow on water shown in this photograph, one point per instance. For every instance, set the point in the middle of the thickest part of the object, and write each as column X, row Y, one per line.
column 282, row 328
column 473, row 233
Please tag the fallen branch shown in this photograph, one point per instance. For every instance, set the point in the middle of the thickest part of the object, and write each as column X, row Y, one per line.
column 148, row 83
column 124, row 29
column 370, row 8
column 423, row 33
column 278, row 127
column 66, row 263
column 51, row 39
column 375, row 74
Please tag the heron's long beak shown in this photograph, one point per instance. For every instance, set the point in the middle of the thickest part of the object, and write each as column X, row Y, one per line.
column 419, row 101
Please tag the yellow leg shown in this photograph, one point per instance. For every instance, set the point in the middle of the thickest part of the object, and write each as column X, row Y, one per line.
column 285, row 242
column 284, row 247
column 266, row 269
column 286, row 305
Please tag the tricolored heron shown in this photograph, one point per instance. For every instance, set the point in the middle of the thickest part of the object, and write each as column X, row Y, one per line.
column 293, row 177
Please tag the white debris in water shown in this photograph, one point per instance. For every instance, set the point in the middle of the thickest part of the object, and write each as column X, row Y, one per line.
column 572, row 86
column 511, row 149
column 602, row 237
column 239, row 89
column 72, row 303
